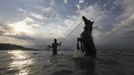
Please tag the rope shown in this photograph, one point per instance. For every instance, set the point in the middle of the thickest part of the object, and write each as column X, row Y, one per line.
column 72, row 31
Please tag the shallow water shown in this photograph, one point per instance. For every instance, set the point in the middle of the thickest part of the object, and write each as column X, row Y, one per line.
column 19, row 62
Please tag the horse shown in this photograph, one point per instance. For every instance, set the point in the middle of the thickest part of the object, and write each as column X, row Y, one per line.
column 86, row 40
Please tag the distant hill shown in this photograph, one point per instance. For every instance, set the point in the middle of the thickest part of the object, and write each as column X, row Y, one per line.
column 7, row 46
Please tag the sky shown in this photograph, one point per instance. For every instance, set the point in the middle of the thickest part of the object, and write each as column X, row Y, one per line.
column 35, row 23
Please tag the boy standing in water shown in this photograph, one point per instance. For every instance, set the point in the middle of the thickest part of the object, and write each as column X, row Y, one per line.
column 54, row 46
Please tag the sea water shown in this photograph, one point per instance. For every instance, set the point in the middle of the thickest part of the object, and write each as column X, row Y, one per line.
column 108, row 62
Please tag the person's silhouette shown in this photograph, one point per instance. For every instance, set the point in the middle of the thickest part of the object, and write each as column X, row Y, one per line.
column 86, row 39
column 54, row 46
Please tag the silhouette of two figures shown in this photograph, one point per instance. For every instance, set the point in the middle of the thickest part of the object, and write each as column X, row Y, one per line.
column 54, row 46
column 86, row 40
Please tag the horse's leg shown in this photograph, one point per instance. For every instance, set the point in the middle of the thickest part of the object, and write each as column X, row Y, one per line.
column 86, row 49
column 82, row 47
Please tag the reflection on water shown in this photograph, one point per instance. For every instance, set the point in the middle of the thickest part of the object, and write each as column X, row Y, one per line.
column 18, row 54
column 19, row 61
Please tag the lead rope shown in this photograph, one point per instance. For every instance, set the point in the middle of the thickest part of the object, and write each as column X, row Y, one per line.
column 72, row 31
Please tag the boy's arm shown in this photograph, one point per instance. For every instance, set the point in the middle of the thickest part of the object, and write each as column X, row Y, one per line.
column 49, row 46
column 60, row 43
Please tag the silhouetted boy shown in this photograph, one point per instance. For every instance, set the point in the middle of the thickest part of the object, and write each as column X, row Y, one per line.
column 86, row 39
column 54, row 46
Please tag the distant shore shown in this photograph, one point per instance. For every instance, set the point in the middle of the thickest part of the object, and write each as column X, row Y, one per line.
column 8, row 46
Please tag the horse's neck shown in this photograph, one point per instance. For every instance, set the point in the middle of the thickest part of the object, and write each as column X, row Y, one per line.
column 87, row 31
column 86, row 34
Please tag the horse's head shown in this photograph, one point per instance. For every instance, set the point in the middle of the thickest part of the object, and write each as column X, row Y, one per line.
column 89, row 26
column 85, row 19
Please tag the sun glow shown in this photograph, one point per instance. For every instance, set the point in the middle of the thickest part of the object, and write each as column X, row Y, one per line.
column 23, row 27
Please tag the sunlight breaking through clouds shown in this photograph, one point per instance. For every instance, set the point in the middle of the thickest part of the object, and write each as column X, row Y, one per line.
column 23, row 27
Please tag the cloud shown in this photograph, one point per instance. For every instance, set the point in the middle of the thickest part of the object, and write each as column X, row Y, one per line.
column 21, row 37
column 25, row 26
column 52, row 2
column 92, row 12
column 49, row 14
column 22, row 10
column 78, row 6
column 6, row 29
column 121, row 36
column 65, row 1
column 8, row 35
column 81, row 1
column 37, row 16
